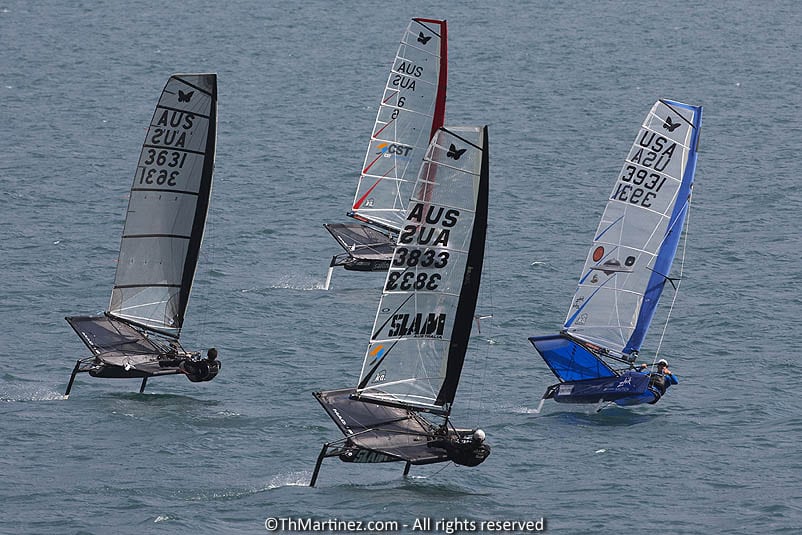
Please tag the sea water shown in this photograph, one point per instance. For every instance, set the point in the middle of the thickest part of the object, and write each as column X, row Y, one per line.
column 563, row 87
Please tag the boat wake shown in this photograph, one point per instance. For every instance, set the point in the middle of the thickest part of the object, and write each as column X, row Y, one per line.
column 527, row 410
column 292, row 479
column 287, row 284
column 303, row 286
column 14, row 393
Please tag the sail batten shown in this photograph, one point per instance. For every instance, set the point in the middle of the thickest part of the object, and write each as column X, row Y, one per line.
column 168, row 205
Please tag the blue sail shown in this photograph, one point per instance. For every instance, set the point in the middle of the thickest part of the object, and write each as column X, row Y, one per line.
column 668, row 250
column 627, row 266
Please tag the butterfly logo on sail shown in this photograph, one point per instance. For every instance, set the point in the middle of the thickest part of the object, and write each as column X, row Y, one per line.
column 455, row 153
column 670, row 125
column 185, row 97
column 423, row 38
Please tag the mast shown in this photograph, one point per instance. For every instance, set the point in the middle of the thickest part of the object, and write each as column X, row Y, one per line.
column 466, row 308
column 668, row 250
column 202, row 208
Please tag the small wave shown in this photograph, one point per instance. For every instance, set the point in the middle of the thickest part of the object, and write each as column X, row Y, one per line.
column 162, row 518
column 527, row 410
column 292, row 479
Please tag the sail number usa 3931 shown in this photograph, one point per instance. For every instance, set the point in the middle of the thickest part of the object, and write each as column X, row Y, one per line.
column 642, row 177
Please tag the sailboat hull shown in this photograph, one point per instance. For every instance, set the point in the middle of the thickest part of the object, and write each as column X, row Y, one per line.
column 121, row 351
column 395, row 434
column 366, row 249
column 625, row 387
column 586, row 378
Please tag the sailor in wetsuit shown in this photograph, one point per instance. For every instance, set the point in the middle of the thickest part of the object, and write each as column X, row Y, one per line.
column 660, row 380
column 201, row 370
column 465, row 451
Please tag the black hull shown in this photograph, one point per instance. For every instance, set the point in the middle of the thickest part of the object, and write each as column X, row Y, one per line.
column 360, row 264
column 366, row 248
column 378, row 434
column 195, row 369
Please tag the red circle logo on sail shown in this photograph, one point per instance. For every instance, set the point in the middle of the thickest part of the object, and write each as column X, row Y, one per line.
column 598, row 253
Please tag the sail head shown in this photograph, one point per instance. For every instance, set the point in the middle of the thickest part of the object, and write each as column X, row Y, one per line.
column 167, row 207
column 424, row 319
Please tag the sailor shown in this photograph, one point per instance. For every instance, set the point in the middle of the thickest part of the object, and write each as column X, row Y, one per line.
column 660, row 380
column 201, row 369
column 662, row 367
column 465, row 451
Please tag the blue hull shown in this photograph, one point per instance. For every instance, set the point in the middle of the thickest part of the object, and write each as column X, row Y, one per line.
column 629, row 388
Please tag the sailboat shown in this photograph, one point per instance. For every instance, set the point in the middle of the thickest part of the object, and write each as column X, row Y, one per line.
column 420, row 336
column 627, row 268
column 138, row 336
column 411, row 110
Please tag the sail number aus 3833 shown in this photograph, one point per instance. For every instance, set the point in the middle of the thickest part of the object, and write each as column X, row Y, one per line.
column 410, row 258
column 409, row 280
column 424, row 258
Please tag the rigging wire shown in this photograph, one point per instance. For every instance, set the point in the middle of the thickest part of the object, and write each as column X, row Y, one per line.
column 208, row 255
column 482, row 369
column 679, row 281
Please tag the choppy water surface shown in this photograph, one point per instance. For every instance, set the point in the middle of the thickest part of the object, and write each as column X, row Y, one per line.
column 563, row 87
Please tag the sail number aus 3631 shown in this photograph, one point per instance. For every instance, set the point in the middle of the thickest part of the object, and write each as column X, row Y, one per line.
column 161, row 177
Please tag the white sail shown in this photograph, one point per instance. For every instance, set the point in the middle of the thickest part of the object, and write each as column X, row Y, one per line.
column 635, row 243
column 412, row 108
column 167, row 208
column 425, row 315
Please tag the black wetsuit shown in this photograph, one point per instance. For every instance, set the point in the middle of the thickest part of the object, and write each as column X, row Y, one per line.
column 465, row 453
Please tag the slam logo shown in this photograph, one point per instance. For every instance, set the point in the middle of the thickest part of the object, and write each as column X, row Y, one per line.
column 388, row 149
column 417, row 325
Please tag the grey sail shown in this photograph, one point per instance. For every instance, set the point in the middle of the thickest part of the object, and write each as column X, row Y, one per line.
column 167, row 208
column 138, row 335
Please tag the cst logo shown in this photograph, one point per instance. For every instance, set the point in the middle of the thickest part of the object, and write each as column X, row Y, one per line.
column 387, row 149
